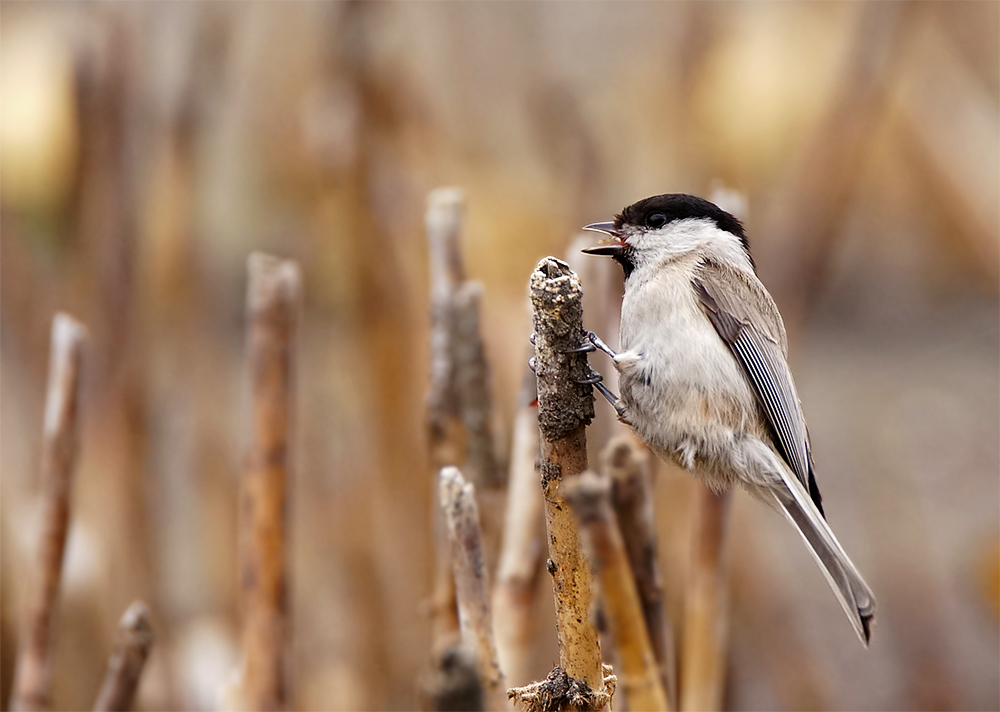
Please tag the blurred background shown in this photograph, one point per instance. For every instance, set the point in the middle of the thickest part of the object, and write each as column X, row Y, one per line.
column 147, row 148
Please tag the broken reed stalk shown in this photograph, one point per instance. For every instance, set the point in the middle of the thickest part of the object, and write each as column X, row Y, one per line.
column 565, row 408
column 471, row 587
column 590, row 497
column 273, row 300
column 458, row 400
column 458, row 404
column 521, row 551
column 627, row 464
column 135, row 640
column 706, row 614
column 60, row 439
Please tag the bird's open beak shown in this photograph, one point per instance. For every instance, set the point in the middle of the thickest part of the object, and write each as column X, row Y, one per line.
column 608, row 228
column 609, row 247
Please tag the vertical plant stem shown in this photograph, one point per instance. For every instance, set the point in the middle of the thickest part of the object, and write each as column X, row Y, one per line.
column 471, row 587
column 565, row 408
column 590, row 497
column 706, row 613
column 135, row 641
column 521, row 552
column 273, row 300
column 33, row 677
column 459, row 407
column 627, row 463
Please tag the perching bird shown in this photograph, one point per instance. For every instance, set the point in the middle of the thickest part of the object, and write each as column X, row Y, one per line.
column 703, row 373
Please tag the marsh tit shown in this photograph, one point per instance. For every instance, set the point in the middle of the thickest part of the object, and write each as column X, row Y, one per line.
column 702, row 370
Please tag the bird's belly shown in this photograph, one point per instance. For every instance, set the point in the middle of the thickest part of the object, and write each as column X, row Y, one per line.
column 686, row 395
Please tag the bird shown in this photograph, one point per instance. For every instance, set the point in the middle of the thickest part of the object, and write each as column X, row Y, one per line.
column 703, row 370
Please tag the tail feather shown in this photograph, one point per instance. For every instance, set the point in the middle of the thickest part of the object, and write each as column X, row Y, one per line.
column 854, row 594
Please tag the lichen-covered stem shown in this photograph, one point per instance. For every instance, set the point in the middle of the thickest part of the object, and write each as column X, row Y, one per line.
column 565, row 408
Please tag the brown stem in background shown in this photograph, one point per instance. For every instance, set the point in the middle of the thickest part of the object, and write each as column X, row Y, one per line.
column 706, row 614
column 521, row 552
column 590, row 497
column 458, row 401
column 565, row 407
column 627, row 463
column 471, row 588
column 471, row 381
column 33, row 678
column 273, row 298
column 135, row 640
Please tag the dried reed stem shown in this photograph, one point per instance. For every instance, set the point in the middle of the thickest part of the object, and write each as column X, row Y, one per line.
column 273, row 299
column 33, row 677
column 471, row 587
column 458, row 401
column 590, row 497
column 521, row 552
column 135, row 640
column 627, row 463
column 706, row 615
column 565, row 407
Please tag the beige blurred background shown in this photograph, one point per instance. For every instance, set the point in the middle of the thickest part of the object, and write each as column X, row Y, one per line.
column 147, row 148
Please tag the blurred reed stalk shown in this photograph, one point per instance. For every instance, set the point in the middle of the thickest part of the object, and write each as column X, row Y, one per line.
column 565, row 408
column 135, row 641
column 458, row 502
column 458, row 401
column 626, row 462
column 273, row 303
column 520, row 561
column 639, row 677
column 60, row 445
column 706, row 614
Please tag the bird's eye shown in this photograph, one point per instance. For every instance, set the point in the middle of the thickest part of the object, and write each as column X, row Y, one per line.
column 655, row 220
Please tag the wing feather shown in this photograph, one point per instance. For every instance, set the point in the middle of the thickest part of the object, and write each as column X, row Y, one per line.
column 746, row 319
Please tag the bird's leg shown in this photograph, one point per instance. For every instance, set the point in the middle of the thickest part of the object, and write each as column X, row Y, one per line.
column 594, row 343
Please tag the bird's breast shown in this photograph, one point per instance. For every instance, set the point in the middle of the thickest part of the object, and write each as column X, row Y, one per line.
column 681, row 385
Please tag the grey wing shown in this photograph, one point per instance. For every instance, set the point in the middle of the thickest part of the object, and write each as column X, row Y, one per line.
column 746, row 319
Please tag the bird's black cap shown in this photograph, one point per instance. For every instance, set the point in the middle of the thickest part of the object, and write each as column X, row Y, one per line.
column 680, row 206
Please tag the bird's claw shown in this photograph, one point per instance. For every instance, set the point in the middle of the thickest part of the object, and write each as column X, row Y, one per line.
column 593, row 379
column 585, row 348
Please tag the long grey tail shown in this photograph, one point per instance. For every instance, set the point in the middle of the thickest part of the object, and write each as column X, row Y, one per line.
column 854, row 594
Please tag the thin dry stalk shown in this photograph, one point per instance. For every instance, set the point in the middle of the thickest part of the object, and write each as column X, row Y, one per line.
column 33, row 677
column 458, row 404
column 273, row 300
column 135, row 640
column 627, row 463
column 565, row 407
column 458, row 401
column 471, row 588
column 521, row 552
column 590, row 497
column 706, row 614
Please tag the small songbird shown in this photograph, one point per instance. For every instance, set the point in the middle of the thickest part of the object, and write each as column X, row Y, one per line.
column 703, row 373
